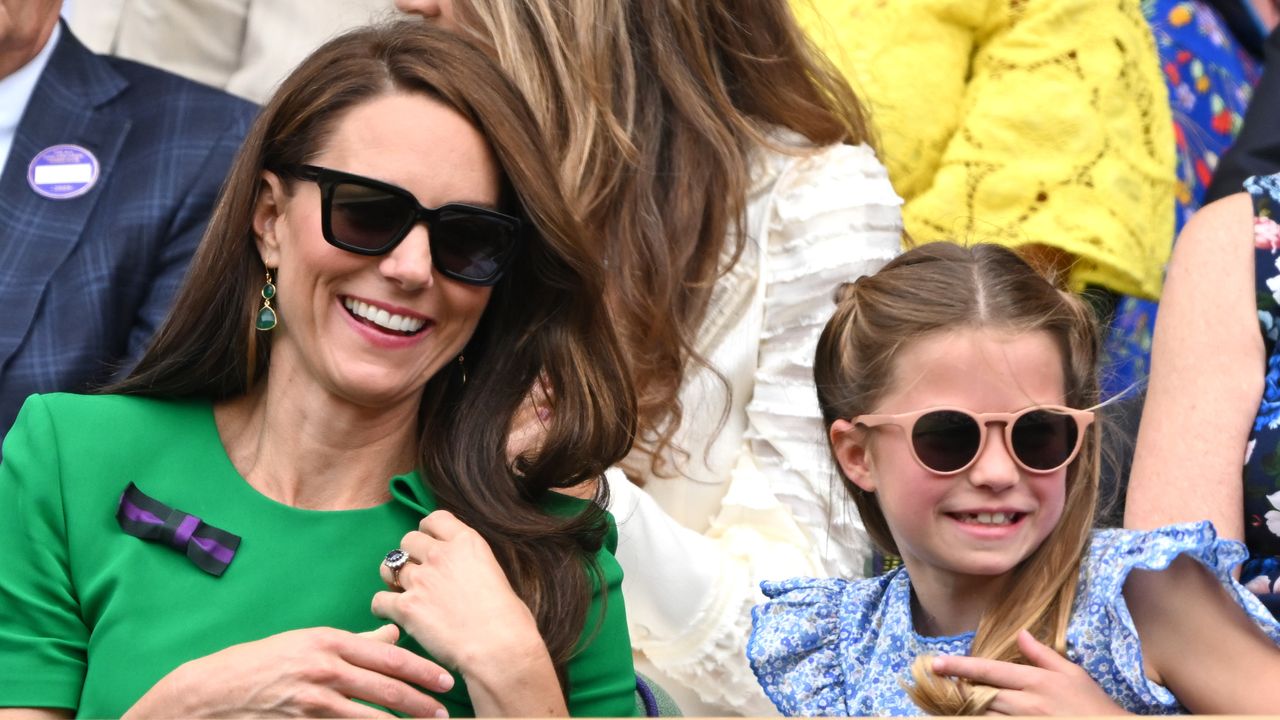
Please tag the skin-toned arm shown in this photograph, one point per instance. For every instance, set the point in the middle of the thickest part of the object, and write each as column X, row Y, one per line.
column 1199, row 643
column 1207, row 371
column 1196, row 641
column 316, row 672
column 457, row 602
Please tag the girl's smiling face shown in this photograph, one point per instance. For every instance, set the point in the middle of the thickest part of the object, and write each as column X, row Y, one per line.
column 957, row 530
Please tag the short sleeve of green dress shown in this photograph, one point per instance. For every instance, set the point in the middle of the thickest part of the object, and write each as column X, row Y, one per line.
column 91, row 616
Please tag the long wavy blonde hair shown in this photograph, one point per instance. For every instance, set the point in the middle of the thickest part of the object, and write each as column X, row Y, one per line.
column 653, row 108
column 941, row 287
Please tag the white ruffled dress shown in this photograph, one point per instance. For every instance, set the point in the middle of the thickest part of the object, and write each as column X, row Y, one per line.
column 756, row 497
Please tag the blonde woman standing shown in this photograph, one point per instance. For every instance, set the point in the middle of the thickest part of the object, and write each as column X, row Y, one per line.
column 725, row 171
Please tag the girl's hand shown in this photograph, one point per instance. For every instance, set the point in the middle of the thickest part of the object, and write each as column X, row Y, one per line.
column 456, row 601
column 531, row 422
column 1052, row 685
column 529, row 430
column 316, row 672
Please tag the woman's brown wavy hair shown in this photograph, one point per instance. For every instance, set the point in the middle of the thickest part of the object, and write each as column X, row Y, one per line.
column 544, row 316
column 653, row 108
column 943, row 287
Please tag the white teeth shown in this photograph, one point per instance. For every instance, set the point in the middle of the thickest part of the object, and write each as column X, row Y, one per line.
column 985, row 518
column 382, row 318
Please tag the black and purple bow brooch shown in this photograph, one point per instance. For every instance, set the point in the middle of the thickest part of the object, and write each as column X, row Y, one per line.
column 211, row 549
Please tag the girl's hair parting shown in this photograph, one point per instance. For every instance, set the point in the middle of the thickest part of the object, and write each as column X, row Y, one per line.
column 943, row 287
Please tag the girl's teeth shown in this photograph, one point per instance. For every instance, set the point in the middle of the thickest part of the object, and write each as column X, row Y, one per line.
column 382, row 318
column 998, row 518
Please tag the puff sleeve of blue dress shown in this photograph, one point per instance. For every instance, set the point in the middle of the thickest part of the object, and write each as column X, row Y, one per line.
column 839, row 647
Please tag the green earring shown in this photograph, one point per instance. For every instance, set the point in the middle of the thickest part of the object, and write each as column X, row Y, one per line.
column 267, row 315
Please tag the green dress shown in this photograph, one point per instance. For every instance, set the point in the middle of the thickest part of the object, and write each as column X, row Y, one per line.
column 92, row 617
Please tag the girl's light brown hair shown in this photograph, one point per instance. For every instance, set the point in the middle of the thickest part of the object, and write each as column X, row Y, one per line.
column 654, row 108
column 942, row 287
column 543, row 317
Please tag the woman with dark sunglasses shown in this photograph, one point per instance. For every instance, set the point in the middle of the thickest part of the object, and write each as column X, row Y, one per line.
column 958, row 386
column 726, row 172
column 389, row 270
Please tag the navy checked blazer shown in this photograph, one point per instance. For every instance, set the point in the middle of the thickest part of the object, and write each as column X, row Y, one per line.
column 84, row 282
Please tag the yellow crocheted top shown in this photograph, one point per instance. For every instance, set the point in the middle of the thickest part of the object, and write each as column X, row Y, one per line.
column 1018, row 121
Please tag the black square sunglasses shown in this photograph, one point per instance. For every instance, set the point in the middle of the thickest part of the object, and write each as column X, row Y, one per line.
column 370, row 217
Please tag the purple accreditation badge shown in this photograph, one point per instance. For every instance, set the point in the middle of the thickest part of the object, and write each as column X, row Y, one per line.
column 62, row 172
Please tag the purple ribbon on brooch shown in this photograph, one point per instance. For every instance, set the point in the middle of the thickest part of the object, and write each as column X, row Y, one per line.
column 144, row 517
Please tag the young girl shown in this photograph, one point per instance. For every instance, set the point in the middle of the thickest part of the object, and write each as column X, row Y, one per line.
column 955, row 383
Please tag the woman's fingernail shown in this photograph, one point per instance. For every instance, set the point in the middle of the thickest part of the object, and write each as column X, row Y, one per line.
column 442, row 713
column 446, row 682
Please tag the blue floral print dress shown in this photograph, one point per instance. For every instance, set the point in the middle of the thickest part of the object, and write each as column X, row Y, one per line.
column 1210, row 78
column 841, row 647
column 1261, row 572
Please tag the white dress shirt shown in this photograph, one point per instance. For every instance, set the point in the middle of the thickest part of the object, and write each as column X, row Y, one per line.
column 16, row 90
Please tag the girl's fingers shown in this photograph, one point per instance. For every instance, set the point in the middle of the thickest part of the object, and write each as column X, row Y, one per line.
column 982, row 670
column 1042, row 655
column 1009, row 702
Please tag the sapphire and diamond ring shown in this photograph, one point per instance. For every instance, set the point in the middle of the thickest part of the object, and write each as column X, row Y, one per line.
column 395, row 561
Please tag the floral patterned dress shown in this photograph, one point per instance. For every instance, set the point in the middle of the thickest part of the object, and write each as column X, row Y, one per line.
column 1261, row 572
column 841, row 647
column 1210, row 79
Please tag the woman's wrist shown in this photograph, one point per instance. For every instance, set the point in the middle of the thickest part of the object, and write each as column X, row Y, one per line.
column 162, row 700
column 510, row 649
column 513, row 676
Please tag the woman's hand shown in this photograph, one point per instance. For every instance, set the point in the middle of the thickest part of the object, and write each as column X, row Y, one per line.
column 457, row 602
column 316, row 672
column 1051, row 685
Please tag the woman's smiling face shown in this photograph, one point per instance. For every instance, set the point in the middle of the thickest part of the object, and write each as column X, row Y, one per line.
column 338, row 311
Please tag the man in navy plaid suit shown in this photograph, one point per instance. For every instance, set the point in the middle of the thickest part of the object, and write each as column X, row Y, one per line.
column 110, row 172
